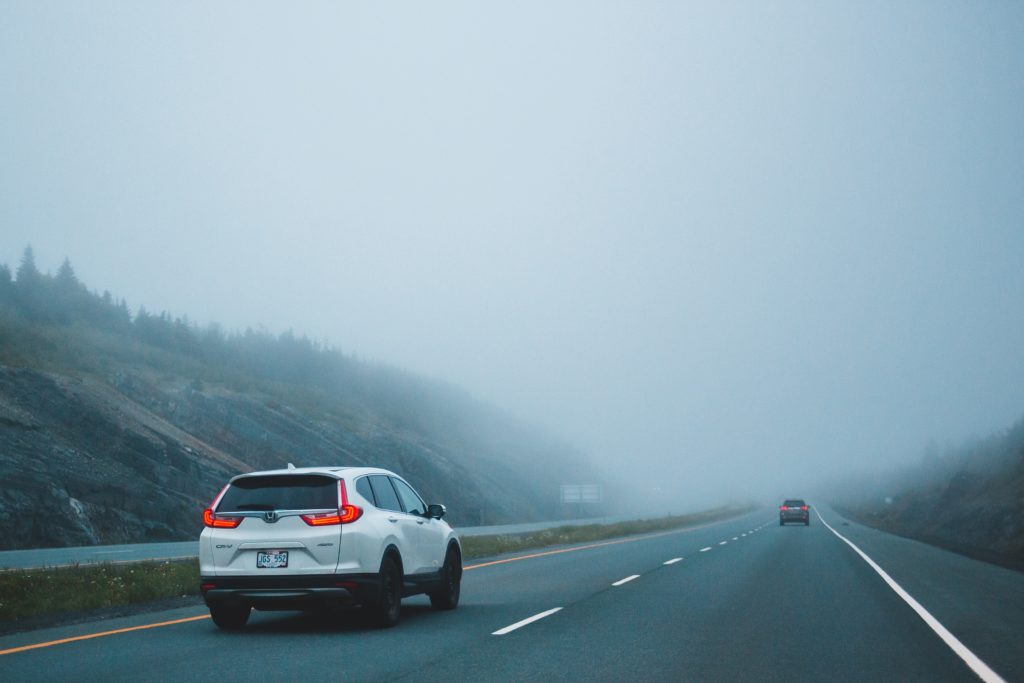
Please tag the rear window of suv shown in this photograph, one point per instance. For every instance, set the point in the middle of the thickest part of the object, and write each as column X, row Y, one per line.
column 281, row 492
column 794, row 503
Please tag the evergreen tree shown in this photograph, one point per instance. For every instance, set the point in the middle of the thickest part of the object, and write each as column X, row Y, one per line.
column 28, row 274
column 32, row 288
column 66, row 276
column 70, row 299
column 6, row 286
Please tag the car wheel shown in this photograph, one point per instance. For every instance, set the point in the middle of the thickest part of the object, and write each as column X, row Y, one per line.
column 807, row 523
column 447, row 597
column 781, row 523
column 386, row 606
column 230, row 617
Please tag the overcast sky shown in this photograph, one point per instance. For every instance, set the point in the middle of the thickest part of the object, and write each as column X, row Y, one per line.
column 743, row 245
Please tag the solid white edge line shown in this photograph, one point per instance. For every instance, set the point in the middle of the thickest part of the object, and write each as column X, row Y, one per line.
column 673, row 560
column 704, row 550
column 972, row 660
column 524, row 622
column 626, row 580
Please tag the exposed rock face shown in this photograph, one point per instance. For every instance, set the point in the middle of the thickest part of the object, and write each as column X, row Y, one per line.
column 83, row 461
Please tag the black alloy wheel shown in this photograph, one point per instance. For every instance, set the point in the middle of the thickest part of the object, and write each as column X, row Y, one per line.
column 447, row 597
column 387, row 607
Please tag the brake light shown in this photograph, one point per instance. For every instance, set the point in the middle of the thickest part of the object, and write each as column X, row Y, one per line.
column 346, row 513
column 212, row 519
column 804, row 508
column 350, row 513
column 322, row 519
column 783, row 507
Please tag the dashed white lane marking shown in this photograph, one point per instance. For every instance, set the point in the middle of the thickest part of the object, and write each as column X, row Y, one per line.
column 673, row 560
column 626, row 580
column 524, row 622
column 722, row 542
column 979, row 667
column 735, row 538
column 704, row 550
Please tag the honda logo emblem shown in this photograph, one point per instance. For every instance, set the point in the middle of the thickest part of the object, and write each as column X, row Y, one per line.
column 270, row 516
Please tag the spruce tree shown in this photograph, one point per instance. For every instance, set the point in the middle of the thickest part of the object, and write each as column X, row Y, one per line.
column 28, row 273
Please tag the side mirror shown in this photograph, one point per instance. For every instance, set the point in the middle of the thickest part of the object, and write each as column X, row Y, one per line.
column 436, row 511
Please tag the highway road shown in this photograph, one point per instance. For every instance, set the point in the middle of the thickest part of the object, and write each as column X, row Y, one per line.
column 740, row 600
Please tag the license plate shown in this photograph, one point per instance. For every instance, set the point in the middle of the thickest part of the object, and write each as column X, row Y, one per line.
column 272, row 559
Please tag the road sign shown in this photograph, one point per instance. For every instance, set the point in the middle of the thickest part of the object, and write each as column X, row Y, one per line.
column 582, row 493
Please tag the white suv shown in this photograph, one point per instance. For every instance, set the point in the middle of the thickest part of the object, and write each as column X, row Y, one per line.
column 324, row 536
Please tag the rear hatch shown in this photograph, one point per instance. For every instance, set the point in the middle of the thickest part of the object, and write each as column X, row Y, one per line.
column 284, row 526
column 794, row 508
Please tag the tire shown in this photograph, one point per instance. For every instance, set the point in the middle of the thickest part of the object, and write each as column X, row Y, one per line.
column 808, row 522
column 447, row 597
column 781, row 523
column 386, row 606
column 230, row 617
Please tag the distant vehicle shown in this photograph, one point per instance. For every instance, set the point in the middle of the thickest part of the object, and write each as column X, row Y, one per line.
column 321, row 537
column 794, row 510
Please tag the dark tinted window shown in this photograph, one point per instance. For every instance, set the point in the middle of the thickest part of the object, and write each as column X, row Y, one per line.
column 795, row 503
column 281, row 492
column 384, row 493
column 412, row 503
column 363, row 487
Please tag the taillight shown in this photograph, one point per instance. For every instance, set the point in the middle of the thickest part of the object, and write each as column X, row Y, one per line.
column 322, row 519
column 346, row 513
column 211, row 519
column 804, row 508
column 350, row 513
column 783, row 507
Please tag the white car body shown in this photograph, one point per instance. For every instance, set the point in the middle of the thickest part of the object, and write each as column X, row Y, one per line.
column 278, row 539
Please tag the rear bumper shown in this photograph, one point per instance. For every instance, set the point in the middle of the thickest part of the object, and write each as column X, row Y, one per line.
column 288, row 592
column 801, row 517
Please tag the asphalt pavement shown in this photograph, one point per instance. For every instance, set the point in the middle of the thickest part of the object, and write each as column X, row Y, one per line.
column 739, row 600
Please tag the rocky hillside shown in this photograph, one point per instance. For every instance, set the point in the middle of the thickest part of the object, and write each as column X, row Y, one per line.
column 969, row 499
column 117, row 428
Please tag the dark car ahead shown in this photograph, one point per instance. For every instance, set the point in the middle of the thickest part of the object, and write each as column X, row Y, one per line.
column 794, row 510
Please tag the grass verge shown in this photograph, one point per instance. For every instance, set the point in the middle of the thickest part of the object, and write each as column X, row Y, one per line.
column 31, row 594
column 28, row 593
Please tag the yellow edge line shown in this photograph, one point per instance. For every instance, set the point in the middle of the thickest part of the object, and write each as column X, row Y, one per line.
column 100, row 635
column 519, row 558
